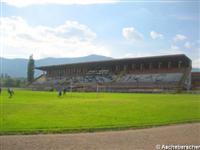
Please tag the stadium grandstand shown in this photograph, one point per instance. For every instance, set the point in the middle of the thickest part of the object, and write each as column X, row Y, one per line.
column 144, row 74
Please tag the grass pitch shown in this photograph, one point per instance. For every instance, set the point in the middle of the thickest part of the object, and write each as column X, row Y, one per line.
column 44, row 112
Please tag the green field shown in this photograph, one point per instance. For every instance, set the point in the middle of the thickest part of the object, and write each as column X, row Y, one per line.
column 44, row 112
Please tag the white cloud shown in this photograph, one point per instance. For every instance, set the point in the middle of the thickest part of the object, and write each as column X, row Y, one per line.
column 196, row 63
column 188, row 45
column 24, row 3
column 70, row 39
column 131, row 34
column 137, row 54
column 179, row 37
column 186, row 17
column 155, row 35
column 174, row 47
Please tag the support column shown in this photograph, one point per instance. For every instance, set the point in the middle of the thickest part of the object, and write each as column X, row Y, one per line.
column 179, row 64
column 169, row 65
column 116, row 68
column 125, row 67
column 133, row 66
column 150, row 66
column 141, row 66
column 159, row 65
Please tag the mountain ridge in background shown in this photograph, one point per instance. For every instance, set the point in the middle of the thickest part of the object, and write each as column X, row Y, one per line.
column 17, row 67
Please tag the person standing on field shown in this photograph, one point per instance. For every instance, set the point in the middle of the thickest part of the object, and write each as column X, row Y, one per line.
column 10, row 92
column 59, row 93
column 64, row 91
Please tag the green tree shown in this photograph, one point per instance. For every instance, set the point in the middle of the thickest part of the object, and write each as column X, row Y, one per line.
column 9, row 82
column 30, row 69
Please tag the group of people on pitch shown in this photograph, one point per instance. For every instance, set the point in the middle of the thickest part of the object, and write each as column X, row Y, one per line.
column 62, row 92
column 10, row 92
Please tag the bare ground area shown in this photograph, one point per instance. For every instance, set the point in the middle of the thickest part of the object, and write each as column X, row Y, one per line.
column 139, row 139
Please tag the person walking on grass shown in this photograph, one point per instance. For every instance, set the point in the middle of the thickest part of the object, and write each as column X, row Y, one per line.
column 10, row 92
column 64, row 91
column 59, row 93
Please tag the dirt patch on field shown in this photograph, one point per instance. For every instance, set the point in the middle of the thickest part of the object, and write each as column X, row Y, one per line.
column 140, row 139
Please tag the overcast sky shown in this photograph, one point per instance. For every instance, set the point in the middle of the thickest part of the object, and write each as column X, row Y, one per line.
column 73, row 28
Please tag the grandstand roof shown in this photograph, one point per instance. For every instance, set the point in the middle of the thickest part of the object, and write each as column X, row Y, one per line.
column 120, row 61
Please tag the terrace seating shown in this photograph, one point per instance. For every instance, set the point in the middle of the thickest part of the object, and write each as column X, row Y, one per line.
column 116, row 82
column 154, row 78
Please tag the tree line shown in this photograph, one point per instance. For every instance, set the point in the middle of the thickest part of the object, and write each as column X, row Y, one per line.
column 8, row 81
